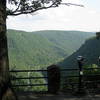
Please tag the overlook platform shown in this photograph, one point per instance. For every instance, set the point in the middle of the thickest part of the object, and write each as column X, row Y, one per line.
column 60, row 96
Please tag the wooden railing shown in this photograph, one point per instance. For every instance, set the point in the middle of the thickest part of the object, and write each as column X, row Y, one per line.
column 27, row 77
column 62, row 78
column 56, row 77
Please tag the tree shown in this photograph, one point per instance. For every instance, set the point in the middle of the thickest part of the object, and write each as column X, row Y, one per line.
column 97, row 35
column 18, row 7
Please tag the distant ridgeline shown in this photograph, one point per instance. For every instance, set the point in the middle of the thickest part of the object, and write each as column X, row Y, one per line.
column 37, row 50
column 90, row 50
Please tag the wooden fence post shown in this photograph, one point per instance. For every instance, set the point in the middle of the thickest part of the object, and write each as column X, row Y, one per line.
column 53, row 72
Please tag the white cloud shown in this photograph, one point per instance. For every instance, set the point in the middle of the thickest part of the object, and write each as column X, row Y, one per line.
column 62, row 18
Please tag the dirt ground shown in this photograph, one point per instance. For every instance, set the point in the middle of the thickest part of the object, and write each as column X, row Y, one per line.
column 32, row 96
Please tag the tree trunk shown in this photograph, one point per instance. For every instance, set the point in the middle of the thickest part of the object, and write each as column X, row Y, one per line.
column 5, row 90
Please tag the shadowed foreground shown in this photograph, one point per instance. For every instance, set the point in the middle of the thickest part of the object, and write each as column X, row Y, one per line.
column 31, row 96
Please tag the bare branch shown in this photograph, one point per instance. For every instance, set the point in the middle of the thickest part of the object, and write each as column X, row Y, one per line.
column 32, row 11
column 17, row 8
column 69, row 4
column 31, row 6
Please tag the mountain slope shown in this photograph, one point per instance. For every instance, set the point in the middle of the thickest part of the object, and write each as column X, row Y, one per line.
column 42, row 48
column 90, row 50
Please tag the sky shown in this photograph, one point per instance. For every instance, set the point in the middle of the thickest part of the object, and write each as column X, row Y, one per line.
column 85, row 18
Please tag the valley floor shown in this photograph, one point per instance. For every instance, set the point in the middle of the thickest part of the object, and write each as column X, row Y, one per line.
column 31, row 96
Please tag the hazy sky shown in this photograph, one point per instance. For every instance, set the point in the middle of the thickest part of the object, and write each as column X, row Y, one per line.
column 62, row 18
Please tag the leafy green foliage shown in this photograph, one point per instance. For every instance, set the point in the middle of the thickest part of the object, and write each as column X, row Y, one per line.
column 93, row 70
column 90, row 50
column 92, row 77
column 39, row 49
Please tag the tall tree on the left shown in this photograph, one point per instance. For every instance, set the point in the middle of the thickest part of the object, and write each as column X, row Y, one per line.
column 20, row 7
column 5, row 90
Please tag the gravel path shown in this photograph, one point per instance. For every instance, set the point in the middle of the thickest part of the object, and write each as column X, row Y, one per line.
column 31, row 96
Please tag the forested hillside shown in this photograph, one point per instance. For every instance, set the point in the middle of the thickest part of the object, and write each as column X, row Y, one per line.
column 90, row 50
column 39, row 49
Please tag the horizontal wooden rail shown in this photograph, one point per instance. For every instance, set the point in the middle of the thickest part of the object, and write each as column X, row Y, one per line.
column 63, row 77
column 22, row 85
column 69, row 76
column 18, row 78
column 28, row 70
column 72, row 69
column 96, row 81
column 69, row 69
column 69, row 83
column 91, row 68
column 88, row 75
